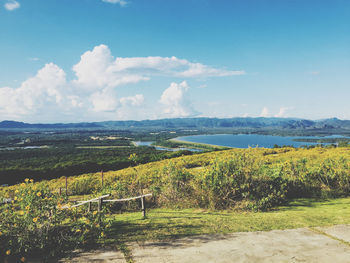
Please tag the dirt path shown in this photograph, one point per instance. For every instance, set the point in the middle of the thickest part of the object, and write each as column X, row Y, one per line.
column 297, row 245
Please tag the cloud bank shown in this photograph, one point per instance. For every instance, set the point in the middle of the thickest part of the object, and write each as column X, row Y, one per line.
column 94, row 91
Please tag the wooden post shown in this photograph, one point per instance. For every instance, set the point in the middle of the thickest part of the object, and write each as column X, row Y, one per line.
column 66, row 186
column 143, row 206
column 89, row 207
column 100, row 202
column 102, row 178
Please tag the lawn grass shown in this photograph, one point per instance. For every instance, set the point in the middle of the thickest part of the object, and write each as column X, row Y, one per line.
column 165, row 224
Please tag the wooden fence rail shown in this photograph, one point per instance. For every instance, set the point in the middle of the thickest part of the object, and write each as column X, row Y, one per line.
column 100, row 200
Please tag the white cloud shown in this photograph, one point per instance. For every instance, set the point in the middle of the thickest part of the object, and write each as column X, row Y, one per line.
column 264, row 112
column 175, row 102
column 120, row 2
column 35, row 93
column 136, row 100
column 93, row 92
column 104, row 101
column 12, row 5
column 98, row 68
column 282, row 111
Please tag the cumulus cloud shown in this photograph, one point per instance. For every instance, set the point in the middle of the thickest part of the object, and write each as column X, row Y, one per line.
column 264, row 112
column 95, row 87
column 12, row 5
column 120, row 2
column 136, row 100
column 104, row 101
column 282, row 112
column 47, row 87
column 175, row 101
column 98, row 68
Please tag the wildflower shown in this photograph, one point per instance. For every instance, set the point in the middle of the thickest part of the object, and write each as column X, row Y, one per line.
column 16, row 192
column 23, row 259
column 38, row 194
column 27, row 207
column 23, row 184
column 15, row 197
column 26, row 180
column 31, row 180
column 35, row 219
column 77, row 231
column 94, row 213
column 102, row 234
column 21, row 213
column 8, row 252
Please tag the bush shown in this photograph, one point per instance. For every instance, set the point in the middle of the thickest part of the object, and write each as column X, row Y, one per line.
column 85, row 185
column 35, row 224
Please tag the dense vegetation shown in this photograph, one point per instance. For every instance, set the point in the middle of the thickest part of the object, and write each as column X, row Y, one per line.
column 252, row 178
column 16, row 165
column 70, row 153
column 36, row 225
column 239, row 179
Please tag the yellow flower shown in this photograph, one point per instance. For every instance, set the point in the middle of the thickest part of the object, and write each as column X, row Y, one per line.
column 26, row 180
column 38, row 194
column 21, row 213
column 23, row 184
column 23, row 259
column 15, row 197
column 102, row 234
column 35, row 219
column 31, row 180
column 94, row 213
column 16, row 192
column 27, row 207
column 78, row 230
column 8, row 252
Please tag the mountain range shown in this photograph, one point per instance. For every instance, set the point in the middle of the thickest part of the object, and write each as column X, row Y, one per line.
column 192, row 123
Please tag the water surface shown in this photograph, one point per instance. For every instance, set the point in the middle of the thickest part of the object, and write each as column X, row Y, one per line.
column 251, row 140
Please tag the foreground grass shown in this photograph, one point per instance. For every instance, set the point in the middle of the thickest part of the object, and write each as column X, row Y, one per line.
column 163, row 224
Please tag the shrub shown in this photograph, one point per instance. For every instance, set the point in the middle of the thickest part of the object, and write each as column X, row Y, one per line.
column 35, row 225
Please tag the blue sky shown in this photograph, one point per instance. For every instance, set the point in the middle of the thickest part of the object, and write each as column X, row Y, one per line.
column 91, row 60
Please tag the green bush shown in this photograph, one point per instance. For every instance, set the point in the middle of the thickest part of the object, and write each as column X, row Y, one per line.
column 35, row 225
column 85, row 185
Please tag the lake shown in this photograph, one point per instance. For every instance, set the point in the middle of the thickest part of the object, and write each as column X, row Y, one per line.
column 250, row 140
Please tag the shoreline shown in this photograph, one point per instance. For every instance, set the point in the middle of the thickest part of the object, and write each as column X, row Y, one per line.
column 194, row 144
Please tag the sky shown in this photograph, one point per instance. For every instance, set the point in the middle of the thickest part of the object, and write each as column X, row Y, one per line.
column 97, row 60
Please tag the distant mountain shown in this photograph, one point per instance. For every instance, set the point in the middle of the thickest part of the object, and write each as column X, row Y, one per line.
column 23, row 125
column 193, row 123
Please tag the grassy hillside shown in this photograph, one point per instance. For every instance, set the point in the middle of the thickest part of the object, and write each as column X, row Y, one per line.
column 254, row 177
column 228, row 184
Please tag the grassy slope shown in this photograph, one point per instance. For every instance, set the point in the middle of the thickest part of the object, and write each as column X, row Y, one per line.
column 165, row 223
column 195, row 163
